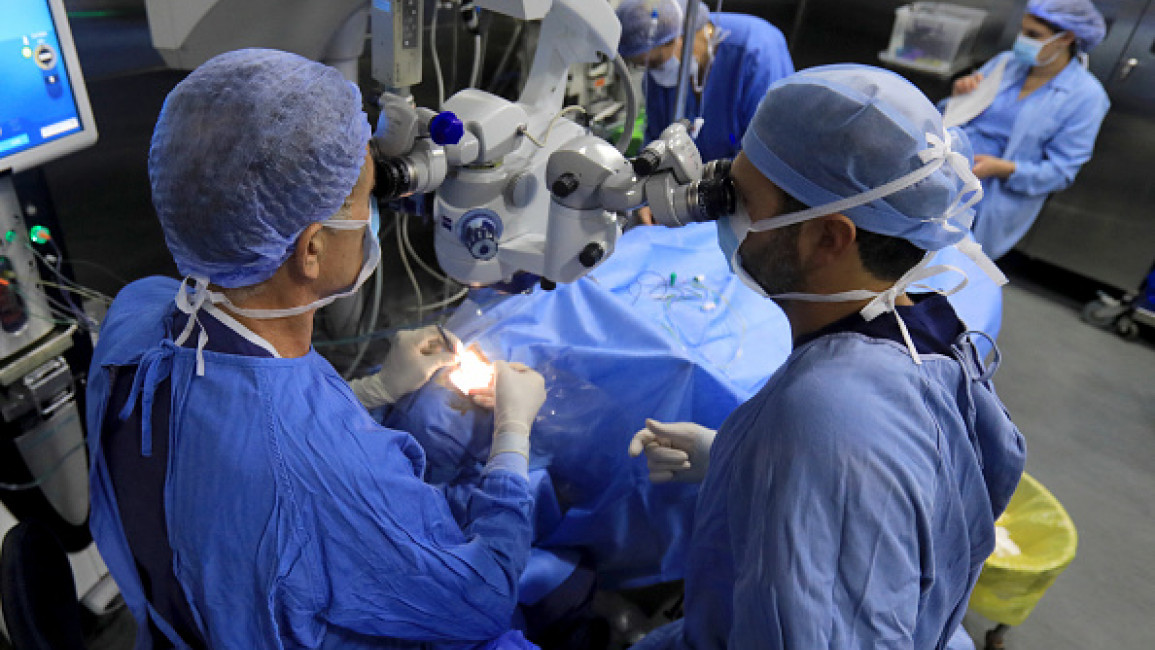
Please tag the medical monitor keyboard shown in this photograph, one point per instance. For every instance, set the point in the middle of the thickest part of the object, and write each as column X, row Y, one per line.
column 44, row 109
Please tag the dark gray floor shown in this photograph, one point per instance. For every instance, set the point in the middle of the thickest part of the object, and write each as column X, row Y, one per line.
column 1085, row 400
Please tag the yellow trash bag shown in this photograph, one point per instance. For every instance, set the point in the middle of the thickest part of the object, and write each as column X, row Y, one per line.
column 1044, row 537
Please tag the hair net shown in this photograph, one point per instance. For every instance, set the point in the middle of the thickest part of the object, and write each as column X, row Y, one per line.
column 834, row 132
column 1080, row 17
column 639, row 34
column 249, row 149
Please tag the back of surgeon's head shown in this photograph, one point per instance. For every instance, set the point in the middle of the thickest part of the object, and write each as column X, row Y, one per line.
column 834, row 132
column 251, row 148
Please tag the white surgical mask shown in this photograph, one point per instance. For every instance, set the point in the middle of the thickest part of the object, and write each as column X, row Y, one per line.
column 715, row 37
column 739, row 225
column 732, row 231
column 1027, row 49
column 374, row 217
column 666, row 75
column 191, row 302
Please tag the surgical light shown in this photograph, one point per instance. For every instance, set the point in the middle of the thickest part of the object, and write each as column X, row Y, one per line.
column 472, row 372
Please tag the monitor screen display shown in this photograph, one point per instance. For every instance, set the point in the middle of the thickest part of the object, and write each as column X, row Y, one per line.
column 44, row 111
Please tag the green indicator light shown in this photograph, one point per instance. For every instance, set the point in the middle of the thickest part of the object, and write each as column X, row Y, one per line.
column 10, row 236
column 39, row 235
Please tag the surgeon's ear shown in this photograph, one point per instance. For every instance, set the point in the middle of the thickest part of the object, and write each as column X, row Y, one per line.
column 826, row 240
column 305, row 262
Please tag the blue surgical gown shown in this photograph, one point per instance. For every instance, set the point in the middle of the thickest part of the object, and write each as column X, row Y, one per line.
column 295, row 520
column 851, row 502
column 752, row 56
column 1052, row 133
column 661, row 329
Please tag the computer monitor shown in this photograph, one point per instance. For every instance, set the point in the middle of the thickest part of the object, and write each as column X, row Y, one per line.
column 44, row 109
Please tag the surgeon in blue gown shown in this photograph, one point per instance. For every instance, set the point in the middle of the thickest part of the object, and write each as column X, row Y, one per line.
column 736, row 58
column 851, row 502
column 1040, row 129
column 242, row 496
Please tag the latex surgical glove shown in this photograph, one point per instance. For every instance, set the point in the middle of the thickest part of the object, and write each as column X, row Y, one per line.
column 675, row 451
column 413, row 358
column 519, row 392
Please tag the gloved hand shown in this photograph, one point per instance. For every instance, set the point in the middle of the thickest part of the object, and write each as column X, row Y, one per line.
column 675, row 451
column 519, row 393
column 413, row 358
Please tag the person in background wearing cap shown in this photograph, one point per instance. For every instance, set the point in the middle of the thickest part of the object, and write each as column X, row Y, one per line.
column 851, row 502
column 736, row 58
column 241, row 496
column 1031, row 138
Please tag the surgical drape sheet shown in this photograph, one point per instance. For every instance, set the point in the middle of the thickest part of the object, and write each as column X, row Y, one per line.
column 662, row 329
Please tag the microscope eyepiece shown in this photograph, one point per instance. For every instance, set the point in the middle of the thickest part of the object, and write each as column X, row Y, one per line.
column 713, row 198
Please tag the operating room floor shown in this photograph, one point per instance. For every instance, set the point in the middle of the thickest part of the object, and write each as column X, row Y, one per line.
column 1085, row 401
column 1084, row 398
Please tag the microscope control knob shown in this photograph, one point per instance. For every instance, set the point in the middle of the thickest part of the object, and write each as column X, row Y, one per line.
column 521, row 189
column 446, row 128
column 565, row 185
column 479, row 231
column 591, row 255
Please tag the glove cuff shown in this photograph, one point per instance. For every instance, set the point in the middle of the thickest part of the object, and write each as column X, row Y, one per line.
column 371, row 392
column 510, row 441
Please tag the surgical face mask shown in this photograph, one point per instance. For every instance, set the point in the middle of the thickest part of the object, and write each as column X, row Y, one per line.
column 778, row 261
column 732, row 231
column 191, row 302
column 374, row 217
column 1027, row 49
column 715, row 37
column 370, row 258
column 666, row 75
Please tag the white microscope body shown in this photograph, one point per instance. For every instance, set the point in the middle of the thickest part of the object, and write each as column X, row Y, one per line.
column 519, row 188
column 494, row 214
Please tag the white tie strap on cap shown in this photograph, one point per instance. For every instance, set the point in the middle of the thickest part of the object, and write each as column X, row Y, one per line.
column 937, row 153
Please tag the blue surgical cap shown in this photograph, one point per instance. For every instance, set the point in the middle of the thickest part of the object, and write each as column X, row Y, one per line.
column 833, row 132
column 251, row 148
column 640, row 33
column 1079, row 17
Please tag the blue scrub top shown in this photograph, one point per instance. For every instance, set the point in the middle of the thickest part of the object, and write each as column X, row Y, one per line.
column 661, row 329
column 293, row 519
column 138, row 480
column 851, row 502
column 990, row 132
column 752, row 56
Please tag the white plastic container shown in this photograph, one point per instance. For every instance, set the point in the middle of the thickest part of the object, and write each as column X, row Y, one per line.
column 934, row 37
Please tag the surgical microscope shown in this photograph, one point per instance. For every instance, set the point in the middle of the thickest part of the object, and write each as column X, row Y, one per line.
column 519, row 186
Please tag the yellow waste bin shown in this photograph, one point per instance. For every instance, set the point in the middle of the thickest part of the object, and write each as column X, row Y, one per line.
column 1011, row 584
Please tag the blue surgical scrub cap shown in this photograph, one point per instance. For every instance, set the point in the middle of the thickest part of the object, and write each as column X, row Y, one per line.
column 1079, row 17
column 640, row 34
column 834, row 132
column 249, row 149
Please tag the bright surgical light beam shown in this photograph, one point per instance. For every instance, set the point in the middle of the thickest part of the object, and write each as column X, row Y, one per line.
column 472, row 373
